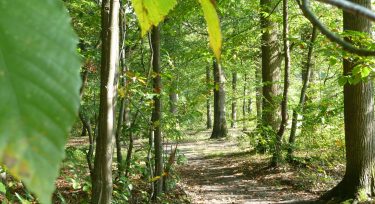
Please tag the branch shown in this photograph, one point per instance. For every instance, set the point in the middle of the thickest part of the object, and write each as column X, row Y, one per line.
column 353, row 8
column 331, row 36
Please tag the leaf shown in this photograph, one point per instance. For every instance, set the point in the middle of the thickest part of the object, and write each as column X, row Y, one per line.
column 365, row 71
column 342, row 80
column 39, row 90
column 151, row 13
column 213, row 25
column 2, row 188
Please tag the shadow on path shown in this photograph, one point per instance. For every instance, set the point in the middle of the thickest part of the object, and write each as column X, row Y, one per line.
column 219, row 171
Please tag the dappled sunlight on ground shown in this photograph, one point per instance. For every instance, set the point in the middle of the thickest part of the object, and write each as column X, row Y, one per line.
column 219, row 171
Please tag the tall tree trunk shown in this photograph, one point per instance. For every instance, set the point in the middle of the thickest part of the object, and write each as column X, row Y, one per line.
column 284, row 104
column 270, row 71
column 102, row 183
column 306, row 73
column 220, row 124
column 208, row 101
column 121, row 115
column 234, row 99
column 244, row 119
column 259, row 95
column 358, row 180
column 156, row 112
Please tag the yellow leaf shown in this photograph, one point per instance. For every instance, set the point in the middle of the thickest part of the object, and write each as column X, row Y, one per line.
column 152, row 12
column 121, row 92
column 213, row 26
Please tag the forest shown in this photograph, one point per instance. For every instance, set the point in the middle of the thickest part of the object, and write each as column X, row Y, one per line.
column 187, row 101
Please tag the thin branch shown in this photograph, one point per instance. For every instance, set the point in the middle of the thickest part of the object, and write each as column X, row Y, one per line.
column 331, row 36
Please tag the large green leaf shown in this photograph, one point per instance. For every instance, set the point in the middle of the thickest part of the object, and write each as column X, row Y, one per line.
column 213, row 26
column 151, row 12
column 39, row 85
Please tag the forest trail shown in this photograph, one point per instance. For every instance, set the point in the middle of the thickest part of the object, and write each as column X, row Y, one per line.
column 221, row 171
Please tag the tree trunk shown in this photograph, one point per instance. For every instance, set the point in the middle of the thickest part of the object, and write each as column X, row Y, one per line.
column 306, row 73
column 173, row 100
column 102, row 183
column 276, row 158
column 259, row 95
column 244, row 119
column 270, row 72
column 359, row 118
column 156, row 112
column 234, row 100
column 220, row 124
column 208, row 102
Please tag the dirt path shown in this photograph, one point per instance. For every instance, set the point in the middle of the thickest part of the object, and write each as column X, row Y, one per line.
column 220, row 171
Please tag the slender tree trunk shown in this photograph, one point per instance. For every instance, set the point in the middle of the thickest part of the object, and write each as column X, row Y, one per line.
column 208, row 101
column 156, row 112
column 270, row 73
column 244, row 119
column 305, row 83
column 358, row 180
column 173, row 100
column 121, row 115
column 102, row 183
column 220, row 124
column 259, row 96
column 276, row 158
column 234, row 100
column 81, row 91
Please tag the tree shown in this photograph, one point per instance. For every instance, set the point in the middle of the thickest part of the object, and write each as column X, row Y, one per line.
column 102, row 178
column 306, row 73
column 156, row 111
column 284, row 103
column 234, row 99
column 208, row 101
column 271, row 61
column 358, row 181
column 220, row 124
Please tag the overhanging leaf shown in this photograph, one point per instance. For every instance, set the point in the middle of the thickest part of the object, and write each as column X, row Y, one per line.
column 213, row 24
column 39, row 85
column 151, row 12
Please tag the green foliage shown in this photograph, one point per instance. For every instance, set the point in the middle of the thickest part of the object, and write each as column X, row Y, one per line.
column 39, row 82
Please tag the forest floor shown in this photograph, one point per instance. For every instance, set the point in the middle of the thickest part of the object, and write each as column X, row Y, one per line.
column 226, row 171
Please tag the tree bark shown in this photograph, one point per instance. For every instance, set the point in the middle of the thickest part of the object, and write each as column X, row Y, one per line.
column 276, row 158
column 306, row 74
column 121, row 122
column 234, row 100
column 270, row 74
column 156, row 112
column 244, row 119
column 358, row 180
column 208, row 102
column 102, row 183
column 259, row 96
column 173, row 100
column 220, row 124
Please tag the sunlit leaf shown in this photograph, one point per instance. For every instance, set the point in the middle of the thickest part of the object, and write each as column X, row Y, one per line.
column 213, row 24
column 151, row 13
